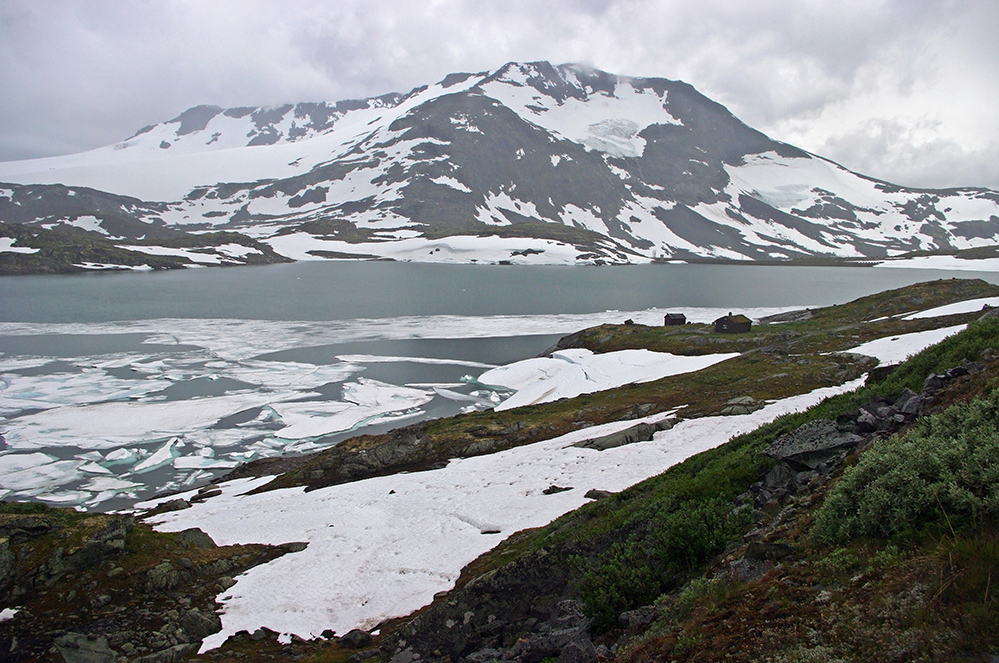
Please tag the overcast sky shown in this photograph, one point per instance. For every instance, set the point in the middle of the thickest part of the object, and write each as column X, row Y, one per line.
column 906, row 90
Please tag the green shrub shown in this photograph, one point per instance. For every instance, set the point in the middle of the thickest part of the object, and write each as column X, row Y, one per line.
column 674, row 542
column 945, row 470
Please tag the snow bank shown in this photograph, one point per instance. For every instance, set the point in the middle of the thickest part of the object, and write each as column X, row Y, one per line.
column 569, row 373
column 897, row 349
column 968, row 306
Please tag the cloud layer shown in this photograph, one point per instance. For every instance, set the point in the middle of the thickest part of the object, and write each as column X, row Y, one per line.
column 901, row 90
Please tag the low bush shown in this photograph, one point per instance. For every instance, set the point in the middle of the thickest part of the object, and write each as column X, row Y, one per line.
column 944, row 470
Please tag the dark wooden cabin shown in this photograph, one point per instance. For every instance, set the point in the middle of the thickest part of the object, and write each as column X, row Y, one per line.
column 672, row 319
column 733, row 324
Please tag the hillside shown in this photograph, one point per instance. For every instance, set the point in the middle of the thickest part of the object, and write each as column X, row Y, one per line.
column 530, row 163
column 805, row 539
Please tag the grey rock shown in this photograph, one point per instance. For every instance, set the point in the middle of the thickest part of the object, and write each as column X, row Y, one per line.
column 903, row 398
column 486, row 655
column 643, row 409
column 79, row 648
column 175, row 505
column 204, row 494
column 356, row 639
column 813, row 443
column 933, row 383
column 24, row 528
column 570, row 614
column 790, row 316
column 639, row 617
column 198, row 625
column 639, row 433
column 780, row 476
column 747, row 570
column 169, row 655
column 195, row 537
column 580, row 650
column 595, row 494
column 225, row 582
column 866, row 422
column 741, row 405
column 162, row 577
column 666, row 424
column 913, row 405
column 405, row 656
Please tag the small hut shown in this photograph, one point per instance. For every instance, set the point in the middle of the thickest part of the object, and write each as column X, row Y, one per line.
column 733, row 324
column 673, row 319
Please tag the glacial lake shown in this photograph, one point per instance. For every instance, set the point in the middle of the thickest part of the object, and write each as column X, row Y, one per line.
column 115, row 387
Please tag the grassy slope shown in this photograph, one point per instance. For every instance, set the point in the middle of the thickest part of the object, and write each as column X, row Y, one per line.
column 925, row 594
column 926, row 597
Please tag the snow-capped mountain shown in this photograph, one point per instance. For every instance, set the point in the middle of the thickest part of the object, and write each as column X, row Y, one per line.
column 531, row 163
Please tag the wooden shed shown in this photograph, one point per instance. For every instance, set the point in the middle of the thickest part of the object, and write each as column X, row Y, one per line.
column 733, row 324
column 672, row 319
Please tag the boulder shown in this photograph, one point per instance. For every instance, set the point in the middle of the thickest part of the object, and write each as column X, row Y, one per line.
column 812, row 444
column 174, row 505
column 580, row 650
column 638, row 433
column 198, row 625
column 195, row 537
column 169, row 655
column 638, row 618
column 355, row 639
column 80, row 648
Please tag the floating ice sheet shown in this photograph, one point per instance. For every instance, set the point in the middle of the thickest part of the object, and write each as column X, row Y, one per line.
column 109, row 425
column 364, row 400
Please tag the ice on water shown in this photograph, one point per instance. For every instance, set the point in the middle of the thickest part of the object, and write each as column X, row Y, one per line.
column 132, row 423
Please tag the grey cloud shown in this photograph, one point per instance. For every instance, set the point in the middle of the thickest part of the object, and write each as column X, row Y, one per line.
column 890, row 150
column 80, row 75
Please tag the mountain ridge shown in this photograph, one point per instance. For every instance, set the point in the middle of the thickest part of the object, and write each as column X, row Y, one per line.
column 468, row 168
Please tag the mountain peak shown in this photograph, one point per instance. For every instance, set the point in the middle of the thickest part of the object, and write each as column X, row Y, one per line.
column 530, row 162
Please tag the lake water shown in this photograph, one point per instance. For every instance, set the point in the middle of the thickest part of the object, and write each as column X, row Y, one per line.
column 116, row 386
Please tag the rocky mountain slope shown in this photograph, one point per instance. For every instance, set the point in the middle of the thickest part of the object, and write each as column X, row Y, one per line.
column 528, row 163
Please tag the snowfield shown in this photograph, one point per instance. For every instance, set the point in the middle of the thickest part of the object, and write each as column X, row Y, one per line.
column 569, row 373
column 896, row 349
column 382, row 547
